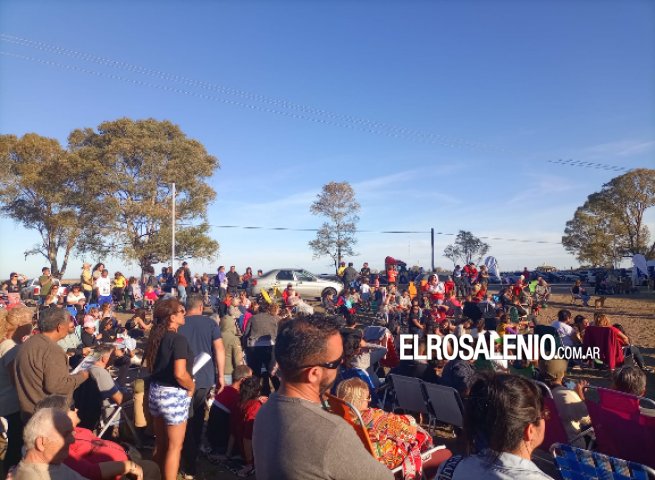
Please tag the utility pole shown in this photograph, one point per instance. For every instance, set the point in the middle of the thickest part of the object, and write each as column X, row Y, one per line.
column 432, row 245
column 173, row 232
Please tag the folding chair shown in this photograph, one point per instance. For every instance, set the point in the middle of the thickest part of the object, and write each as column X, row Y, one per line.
column 578, row 464
column 574, row 296
column 621, row 430
column 606, row 339
column 351, row 415
column 117, row 415
column 409, row 394
column 445, row 404
column 555, row 432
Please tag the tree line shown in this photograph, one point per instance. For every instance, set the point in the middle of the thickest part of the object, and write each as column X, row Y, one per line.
column 109, row 191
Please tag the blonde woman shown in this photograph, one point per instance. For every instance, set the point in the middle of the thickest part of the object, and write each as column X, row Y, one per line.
column 602, row 320
column 15, row 325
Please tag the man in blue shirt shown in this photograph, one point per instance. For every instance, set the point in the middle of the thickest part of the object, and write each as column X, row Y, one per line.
column 204, row 336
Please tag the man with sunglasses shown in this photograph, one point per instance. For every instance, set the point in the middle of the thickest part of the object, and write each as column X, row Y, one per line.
column 294, row 437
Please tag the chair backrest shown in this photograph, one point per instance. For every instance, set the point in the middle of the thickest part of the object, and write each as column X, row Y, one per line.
column 579, row 464
column 351, row 415
column 621, row 430
column 555, row 432
column 89, row 403
column 606, row 339
column 409, row 394
column 445, row 403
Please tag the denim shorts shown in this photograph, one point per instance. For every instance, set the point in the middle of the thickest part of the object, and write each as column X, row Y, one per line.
column 172, row 403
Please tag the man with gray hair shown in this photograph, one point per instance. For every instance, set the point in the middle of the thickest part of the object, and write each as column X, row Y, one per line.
column 47, row 436
column 41, row 367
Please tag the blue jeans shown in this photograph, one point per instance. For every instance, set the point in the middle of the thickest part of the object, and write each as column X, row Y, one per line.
column 181, row 293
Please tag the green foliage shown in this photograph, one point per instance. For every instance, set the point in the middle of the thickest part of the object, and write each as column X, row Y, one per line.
column 49, row 189
column 610, row 224
column 140, row 160
column 466, row 248
column 336, row 237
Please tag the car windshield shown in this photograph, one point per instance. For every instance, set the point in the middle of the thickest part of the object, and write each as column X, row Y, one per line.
column 304, row 276
column 286, row 275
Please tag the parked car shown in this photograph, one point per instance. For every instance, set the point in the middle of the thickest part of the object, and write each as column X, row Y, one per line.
column 33, row 289
column 305, row 283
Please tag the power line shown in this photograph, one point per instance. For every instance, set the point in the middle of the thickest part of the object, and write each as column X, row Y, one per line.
column 340, row 120
column 424, row 232
column 600, row 166
column 333, row 119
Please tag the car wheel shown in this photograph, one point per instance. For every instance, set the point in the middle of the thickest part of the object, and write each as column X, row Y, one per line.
column 328, row 291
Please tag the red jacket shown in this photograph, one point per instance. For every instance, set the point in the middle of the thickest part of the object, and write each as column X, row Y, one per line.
column 87, row 451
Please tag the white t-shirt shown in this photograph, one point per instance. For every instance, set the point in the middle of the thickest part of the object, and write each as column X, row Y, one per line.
column 103, row 284
column 364, row 288
column 564, row 331
column 73, row 299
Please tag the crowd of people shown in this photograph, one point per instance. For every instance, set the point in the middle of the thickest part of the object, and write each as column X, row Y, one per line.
column 246, row 385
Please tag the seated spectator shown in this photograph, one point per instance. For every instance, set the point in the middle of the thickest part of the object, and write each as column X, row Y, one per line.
column 150, row 297
column 72, row 345
column 242, row 421
column 226, row 403
column 431, row 374
column 458, row 374
column 471, row 310
column 296, row 304
column 628, row 347
column 394, row 437
column 632, row 380
column 542, row 291
column 76, row 298
column 353, row 343
column 569, row 403
column 108, row 333
column 48, row 436
column 139, row 324
column 94, row 457
column 503, row 424
column 580, row 323
column 578, row 290
column 308, row 350
column 564, row 328
column 89, row 336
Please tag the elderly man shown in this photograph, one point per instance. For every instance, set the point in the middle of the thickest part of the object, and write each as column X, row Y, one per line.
column 293, row 436
column 41, row 366
column 541, row 291
column 48, row 436
column 72, row 345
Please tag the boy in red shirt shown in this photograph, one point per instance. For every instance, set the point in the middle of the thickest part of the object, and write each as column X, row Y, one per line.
column 225, row 405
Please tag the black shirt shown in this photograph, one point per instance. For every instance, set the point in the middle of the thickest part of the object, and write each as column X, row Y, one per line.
column 88, row 339
column 233, row 279
column 173, row 347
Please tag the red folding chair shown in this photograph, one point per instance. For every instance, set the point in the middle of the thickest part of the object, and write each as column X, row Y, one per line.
column 621, row 430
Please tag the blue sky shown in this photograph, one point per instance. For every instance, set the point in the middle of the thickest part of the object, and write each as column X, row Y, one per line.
column 485, row 95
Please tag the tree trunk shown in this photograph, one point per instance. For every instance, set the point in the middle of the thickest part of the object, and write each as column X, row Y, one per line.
column 52, row 258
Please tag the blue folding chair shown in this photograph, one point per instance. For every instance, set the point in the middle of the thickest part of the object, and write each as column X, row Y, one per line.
column 578, row 464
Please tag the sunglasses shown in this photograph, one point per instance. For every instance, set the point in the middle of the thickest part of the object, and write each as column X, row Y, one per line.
column 329, row 365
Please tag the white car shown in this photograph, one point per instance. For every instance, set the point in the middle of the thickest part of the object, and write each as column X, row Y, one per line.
column 306, row 284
